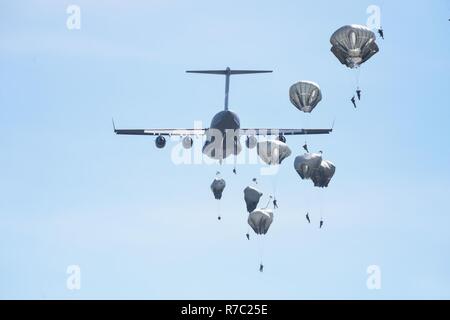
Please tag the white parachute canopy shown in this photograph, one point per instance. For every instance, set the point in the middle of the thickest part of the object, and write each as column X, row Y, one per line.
column 251, row 197
column 305, row 95
column 307, row 163
column 217, row 187
column 273, row 151
column 322, row 175
column 353, row 45
column 260, row 220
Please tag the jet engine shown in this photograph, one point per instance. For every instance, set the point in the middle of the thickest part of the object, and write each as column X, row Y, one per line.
column 281, row 138
column 160, row 142
column 251, row 142
column 187, row 142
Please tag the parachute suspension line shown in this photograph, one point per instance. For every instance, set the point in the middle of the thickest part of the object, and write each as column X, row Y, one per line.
column 308, row 204
column 306, row 134
column 306, row 142
column 274, row 189
column 357, row 76
column 219, row 216
column 235, row 155
column 260, row 241
column 268, row 202
column 321, row 204
column 305, row 146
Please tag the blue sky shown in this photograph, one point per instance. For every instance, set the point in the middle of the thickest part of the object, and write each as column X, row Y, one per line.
column 141, row 227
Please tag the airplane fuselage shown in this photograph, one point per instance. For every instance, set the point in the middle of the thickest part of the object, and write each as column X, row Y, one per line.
column 222, row 136
column 224, row 120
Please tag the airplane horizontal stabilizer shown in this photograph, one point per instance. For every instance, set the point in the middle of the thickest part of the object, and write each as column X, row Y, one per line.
column 230, row 72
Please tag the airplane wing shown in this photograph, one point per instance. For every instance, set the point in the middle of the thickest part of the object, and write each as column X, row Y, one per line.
column 161, row 132
column 202, row 131
column 198, row 132
column 286, row 132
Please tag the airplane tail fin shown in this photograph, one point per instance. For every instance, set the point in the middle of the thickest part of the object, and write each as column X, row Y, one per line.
column 228, row 73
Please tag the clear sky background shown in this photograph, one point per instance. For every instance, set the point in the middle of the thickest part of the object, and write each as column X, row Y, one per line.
column 73, row 193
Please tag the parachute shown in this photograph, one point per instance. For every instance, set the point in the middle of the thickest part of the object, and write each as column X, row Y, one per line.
column 260, row 220
column 353, row 45
column 217, row 187
column 273, row 151
column 322, row 175
column 306, row 164
column 251, row 197
column 305, row 95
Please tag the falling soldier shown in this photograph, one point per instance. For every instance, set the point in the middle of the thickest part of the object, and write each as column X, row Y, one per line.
column 381, row 33
column 353, row 101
